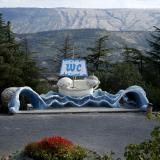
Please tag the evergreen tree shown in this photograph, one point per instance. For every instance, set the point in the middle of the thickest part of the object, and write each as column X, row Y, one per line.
column 134, row 56
column 98, row 52
column 67, row 48
column 13, row 61
column 154, row 53
column 120, row 76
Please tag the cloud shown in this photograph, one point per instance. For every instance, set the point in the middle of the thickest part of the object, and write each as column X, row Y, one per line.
column 82, row 3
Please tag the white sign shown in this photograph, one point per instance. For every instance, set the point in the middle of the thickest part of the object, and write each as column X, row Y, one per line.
column 73, row 67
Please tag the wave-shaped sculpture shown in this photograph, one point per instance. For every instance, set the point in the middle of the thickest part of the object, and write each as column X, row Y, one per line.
column 99, row 98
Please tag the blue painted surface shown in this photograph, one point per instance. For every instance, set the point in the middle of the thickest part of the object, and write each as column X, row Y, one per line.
column 98, row 99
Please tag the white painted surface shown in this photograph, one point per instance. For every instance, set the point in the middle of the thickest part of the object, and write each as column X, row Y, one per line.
column 73, row 68
column 79, row 89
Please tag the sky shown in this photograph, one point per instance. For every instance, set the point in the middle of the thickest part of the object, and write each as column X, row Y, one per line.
column 82, row 3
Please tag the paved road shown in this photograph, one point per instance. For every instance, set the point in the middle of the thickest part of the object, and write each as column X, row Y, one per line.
column 100, row 132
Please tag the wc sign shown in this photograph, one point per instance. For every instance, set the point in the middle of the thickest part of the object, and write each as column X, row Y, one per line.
column 73, row 67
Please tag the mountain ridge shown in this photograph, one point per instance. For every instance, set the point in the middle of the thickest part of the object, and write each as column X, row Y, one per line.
column 32, row 20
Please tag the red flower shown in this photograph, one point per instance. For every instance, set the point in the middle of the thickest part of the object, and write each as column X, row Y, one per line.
column 55, row 142
column 54, row 147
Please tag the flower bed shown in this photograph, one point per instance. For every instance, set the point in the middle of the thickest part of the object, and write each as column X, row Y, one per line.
column 54, row 148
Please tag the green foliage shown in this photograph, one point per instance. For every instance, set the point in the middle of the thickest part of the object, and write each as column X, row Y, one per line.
column 104, row 78
column 154, row 53
column 153, row 116
column 119, row 77
column 65, row 50
column 54, row 148
column 30, row 73
column 134, row 56
column 16, row 68
column 44, row 86
column 153, row 94
column 108, row 156
column 3, row 108
column 148, row 66
column 148, row 150
column 158, row 116
column 98, row 52
column 152, row 69
column 125, row 75
column 149, row 116
column 151, row 75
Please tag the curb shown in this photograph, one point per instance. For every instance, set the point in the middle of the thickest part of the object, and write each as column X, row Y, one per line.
column 80, row 111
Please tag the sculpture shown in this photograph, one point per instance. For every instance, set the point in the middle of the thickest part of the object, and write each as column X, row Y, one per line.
column 78, row 88
column 7, row 94
column 98, row 98
column 65, row 82
column 79, row 93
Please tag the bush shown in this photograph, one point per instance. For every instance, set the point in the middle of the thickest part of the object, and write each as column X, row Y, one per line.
column 154, row 96
column 108, row 156
column 148, row 150
column 3, row 108
column 44, row 86
column 54, row 148
column 120, row 76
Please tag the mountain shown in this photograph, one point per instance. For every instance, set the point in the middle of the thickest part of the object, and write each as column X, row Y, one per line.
column 46, row 28
column 31, row 20
column 43, row 44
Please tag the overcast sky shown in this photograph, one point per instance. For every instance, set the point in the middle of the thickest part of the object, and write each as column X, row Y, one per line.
column 82, row 3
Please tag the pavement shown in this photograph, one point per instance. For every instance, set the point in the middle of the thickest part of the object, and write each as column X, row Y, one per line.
column 101, row 132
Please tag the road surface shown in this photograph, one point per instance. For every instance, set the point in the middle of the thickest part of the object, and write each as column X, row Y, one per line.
column 101, row 132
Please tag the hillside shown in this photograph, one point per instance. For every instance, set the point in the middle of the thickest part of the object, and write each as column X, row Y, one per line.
column 31, row 20
column 43, row 44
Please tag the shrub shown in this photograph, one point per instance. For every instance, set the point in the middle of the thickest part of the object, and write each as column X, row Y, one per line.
column 3, row 108
column 108, row 156
column 44, row 86
column 120, row 76
column 54, row 148
column 148, row 150
column 153, row 95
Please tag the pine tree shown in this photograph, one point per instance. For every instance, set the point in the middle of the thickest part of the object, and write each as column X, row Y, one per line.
column 67, row 48
column 98, row 52
column 64, row 51
column 13, row 61
column 134, row 56
column 154, row 53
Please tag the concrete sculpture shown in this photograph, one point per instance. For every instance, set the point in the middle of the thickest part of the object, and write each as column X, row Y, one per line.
column 97, row 99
